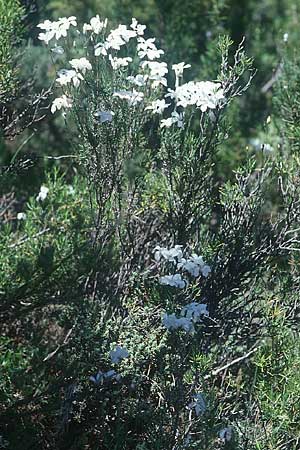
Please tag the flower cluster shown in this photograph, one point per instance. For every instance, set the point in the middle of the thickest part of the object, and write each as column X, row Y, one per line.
column 149, row 79
column 190, row 315
column 202, row 94
column 116, row 355
column 193, row 264
column 56, row 29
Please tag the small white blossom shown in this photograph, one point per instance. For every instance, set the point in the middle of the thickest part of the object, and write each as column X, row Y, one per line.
column 71, row 189
column 158, row 106
column 138, row 80
column 173, row 280
column 61, row 102
column 119, row 62
column 173, row 254
column 21, row 216
column 101, row 49
column 194, row 311
column 137, row 27
column 171, row 322
column 198, row 404
column 96, row 25
column 285, row 37
column 195, row 265
column 133, row 97
column 119, row 37
column 101, row 376
column 58, row 50
column 179, row 68
column 118, row 354
column 66, row 76
column 56, row 29
column 157, row 71
column 156, row 68
column 104, row 116
column 202, row 94
column 176, row 118
column 42, row 194
column 147, row 48
column 226, row 434
column 81, row 64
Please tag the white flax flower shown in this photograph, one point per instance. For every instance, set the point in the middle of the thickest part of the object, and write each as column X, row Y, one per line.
column 171, row 322
column 138, row 28
column 61, row 102
column 81, row 64
column 66, row 76
column 116, row 63
column 118, row 354
column 147, row 48
column 158, row 106
column 42, row 194
column 173, row 280
column 198, row 404
column 194, row 311
column 132, row 97
column 96, row 25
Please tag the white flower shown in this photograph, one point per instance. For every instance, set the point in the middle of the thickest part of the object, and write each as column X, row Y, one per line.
column 171, row 322
column 42, row 194
column 98, row 378
column 81, row 64
column 137, row 27
column 95, row 25
column 176, row 118
column 133, row 97
column 101, row 376
column 202, row 94
column 118, row 354
column 171, row 255
column 21, row 216
column 101, row 49
column 285, row 37
column 46, row 37
column 61, row 102
column 46, row 25
column 226, row 434
column 157, row 72
column 148, row 48
column 138, row 80
column 156, row 68
column 118, row 37
column 119, row 62
column 166, row 123
column 194, row 265
column 66, row 76
column 71, row 189
column 198, row 404
column 125, row 34
column 104, row 116
column 56, row 29
column 158, row 106
column 205, row 270
column 173, row 280
column 179, row 68
column 194, row 311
